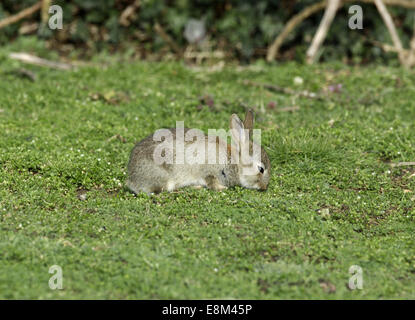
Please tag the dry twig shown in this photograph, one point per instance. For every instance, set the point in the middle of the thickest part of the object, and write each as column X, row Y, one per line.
column 291, row 24
column 392, row 30
column 384, row 46
column 44, row 13
column 288, row 109
column 322, row 30
column 28, row 28
column 24, row 73
column 402, row 164
column 309, row 11
column 173, row 45
column 128, row 13
column 21, row 15
column 31, row 59
column 275, row 88
column 411, row 55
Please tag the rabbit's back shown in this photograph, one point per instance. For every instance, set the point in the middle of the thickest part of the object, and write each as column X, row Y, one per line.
column 145, row 174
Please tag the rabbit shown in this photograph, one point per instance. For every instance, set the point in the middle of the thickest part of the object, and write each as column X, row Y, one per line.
column 145, row 174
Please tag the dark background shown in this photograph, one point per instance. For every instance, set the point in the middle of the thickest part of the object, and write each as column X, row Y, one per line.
column 242, row 30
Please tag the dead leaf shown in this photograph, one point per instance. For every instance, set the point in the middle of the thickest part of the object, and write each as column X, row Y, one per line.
column 271, row 105
column 327, row 286
column 118, row 137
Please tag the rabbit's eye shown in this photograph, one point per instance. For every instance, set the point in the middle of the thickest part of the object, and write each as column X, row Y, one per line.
column 223, row 173
column 261, row 169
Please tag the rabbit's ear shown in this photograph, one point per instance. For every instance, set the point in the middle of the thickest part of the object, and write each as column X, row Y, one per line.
column 238, row 132
column 249, row 122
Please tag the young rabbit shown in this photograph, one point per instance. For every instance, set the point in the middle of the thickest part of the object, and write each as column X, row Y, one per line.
column 231, row 166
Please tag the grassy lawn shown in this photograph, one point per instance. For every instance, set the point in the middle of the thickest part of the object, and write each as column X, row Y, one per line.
column 333, row 200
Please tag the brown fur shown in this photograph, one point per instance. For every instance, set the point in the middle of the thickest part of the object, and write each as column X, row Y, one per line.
column 145, row 175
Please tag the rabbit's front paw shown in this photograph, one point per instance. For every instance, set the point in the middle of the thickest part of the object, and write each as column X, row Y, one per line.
column 213, row 183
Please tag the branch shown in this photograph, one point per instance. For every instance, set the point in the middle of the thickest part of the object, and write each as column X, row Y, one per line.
column 44, row 13
column 392, row 30
column 129, row 12
column 289, row 109
column 309, row 11
column 28, row 58
column 19, row 16
column 402, row 164
column 28, row 28
column 384, row 46
column 271, row 87
column 411, row 55
column 291, row 24
column 322, row 30
column 159, row 29
column 24, row 73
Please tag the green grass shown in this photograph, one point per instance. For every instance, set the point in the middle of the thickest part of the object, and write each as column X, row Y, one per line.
column 57, row 142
